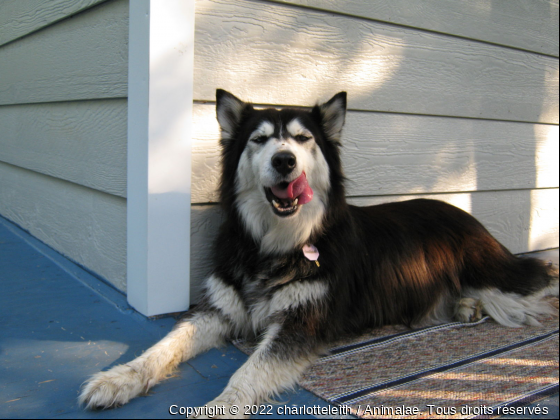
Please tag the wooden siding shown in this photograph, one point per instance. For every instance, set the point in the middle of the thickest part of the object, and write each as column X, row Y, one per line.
column 21, row 17
column 86, row 225
column 272, row 54
column 82, row 142
column 521, row 24
column 83, row 57
column 449, row 101
column 63, row 113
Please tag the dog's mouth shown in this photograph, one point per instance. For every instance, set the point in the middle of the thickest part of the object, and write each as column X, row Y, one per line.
column 281, row 207
column 286, row 198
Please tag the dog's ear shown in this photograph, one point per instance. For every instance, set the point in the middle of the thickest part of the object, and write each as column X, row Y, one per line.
column 229, row 110
column 333, row 115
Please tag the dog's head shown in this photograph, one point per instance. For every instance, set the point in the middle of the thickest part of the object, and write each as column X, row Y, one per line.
column 280, row 168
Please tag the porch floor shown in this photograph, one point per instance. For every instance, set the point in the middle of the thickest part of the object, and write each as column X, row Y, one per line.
column 59, row 324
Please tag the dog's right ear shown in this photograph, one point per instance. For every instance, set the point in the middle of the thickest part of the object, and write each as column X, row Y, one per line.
column 229, row 110
column 333, row 115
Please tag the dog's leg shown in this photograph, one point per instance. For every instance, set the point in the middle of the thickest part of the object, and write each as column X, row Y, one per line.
column 278, row 362
column 115, row 387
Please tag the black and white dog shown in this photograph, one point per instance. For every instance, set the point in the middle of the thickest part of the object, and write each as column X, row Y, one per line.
column 297, row 265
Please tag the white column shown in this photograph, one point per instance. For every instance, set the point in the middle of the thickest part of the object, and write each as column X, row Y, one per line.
column 160, row 95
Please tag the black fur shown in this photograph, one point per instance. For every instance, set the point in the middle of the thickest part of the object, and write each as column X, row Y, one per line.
column 384, row 264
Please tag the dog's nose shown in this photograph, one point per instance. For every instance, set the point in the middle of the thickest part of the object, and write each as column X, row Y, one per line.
column 284, row 162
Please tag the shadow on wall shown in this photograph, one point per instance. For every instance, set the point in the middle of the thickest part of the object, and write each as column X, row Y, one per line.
column 538, row 211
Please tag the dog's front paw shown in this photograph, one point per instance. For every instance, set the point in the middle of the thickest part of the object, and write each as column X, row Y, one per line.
column 112, row 388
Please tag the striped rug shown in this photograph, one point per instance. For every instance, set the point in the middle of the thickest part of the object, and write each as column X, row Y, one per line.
column 476, row 370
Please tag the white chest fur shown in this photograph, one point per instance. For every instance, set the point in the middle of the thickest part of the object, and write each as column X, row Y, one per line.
column 258, row 315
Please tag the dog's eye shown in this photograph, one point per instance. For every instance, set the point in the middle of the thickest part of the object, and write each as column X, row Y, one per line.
column 260, row 139
column 302, row 138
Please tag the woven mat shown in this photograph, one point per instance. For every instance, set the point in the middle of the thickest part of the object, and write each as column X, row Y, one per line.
column 478, row 370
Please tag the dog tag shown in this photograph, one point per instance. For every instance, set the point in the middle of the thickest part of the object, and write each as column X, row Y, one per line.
column 311, row 253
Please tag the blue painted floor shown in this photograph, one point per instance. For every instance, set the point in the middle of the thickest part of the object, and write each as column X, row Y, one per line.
column 56, row 330
column 59, row 324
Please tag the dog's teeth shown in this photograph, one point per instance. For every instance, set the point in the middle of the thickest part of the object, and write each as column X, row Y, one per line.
column 275, row 203
column 295, row 202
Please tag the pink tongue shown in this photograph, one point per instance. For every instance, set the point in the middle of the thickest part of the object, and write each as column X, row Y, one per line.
column 297, row 188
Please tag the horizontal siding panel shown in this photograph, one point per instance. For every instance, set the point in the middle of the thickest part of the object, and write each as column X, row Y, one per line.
column 85, row 225
column 525, row 24
column 523, row 220
column 85, row 57
column 271, row 54
column 82, row 142
column 21, row 17
column 404, row 154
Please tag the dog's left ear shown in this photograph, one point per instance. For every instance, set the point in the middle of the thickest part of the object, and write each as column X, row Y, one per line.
column 333, row 115
column 229, row 110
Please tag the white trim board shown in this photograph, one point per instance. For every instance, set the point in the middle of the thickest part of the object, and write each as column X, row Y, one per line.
column 160, row 95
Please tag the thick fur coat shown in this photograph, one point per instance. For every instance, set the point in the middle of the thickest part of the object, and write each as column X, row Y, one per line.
column 417, row 262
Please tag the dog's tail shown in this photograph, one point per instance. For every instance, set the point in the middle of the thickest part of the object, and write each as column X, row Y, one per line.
column 518, row 301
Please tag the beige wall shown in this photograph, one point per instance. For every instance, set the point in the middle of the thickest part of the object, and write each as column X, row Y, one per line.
column 450, row 100
column 63, row 116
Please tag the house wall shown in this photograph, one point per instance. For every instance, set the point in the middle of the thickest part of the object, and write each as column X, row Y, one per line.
column 450, row 100
column 63, row 117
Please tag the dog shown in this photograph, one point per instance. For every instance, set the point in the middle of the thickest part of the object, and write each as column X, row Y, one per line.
column 298, row 267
